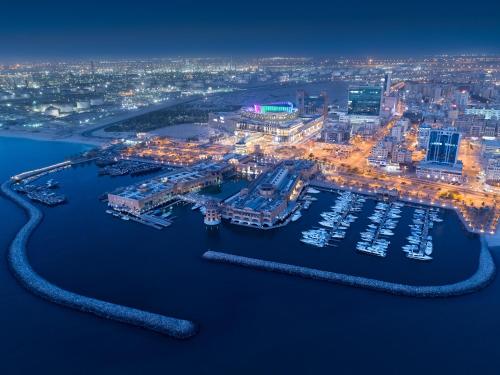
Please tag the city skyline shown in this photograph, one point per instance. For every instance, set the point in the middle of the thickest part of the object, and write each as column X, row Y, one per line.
column 249, row 187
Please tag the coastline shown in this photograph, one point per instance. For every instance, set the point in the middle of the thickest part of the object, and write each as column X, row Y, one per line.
column 50, row 137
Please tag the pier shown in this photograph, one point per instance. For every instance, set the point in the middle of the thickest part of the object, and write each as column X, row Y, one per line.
column 20, row 267
column 481, row 278
column 425, row 231
column 41, row 171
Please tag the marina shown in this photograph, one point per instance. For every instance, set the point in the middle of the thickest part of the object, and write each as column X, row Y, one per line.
column 158, row 263
column 384, row 220
column 336, row 222
column 42, row 193
column 298, row 199
column 124, row 167
column 420, row 245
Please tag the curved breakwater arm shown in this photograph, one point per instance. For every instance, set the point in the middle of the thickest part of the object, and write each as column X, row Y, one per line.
column 18, row 262
column 481, row 278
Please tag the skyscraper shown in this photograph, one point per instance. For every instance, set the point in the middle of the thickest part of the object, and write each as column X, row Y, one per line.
column 443, row 146
column 364, row 100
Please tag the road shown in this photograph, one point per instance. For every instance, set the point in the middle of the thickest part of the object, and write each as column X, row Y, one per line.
column 131, row 114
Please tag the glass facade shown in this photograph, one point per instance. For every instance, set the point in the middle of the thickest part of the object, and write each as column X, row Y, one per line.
column 364, row 100
column 443, row 146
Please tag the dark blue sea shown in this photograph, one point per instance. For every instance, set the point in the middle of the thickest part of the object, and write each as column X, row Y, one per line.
column 251, row 322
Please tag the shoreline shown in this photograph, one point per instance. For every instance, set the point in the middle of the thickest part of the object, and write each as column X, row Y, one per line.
column 48, row 137
column 321, row 185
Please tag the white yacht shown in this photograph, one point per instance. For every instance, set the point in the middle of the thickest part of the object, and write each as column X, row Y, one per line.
column 296, row 216
column 312, row 191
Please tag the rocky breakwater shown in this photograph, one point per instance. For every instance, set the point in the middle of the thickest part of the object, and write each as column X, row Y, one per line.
column 481, row 278
column 19, row 264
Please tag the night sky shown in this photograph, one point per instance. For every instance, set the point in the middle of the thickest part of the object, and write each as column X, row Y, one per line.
column 90, row 28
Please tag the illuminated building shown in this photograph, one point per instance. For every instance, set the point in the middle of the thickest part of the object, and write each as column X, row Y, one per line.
column 363, row 112
column 487, row 113
column 271, row 197
column 144, row 196
column 492, row 170
column 280, row 121
column 441, row 159
column 364, row 101
column 443, row 146
column 450, row 173
column 212, row 213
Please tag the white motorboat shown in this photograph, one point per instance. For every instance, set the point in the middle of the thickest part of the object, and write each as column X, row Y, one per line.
column 312, row 191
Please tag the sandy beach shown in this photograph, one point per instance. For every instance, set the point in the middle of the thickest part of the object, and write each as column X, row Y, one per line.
column 45, row 135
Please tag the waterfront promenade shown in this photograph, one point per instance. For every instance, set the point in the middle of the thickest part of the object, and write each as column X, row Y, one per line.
column 19, row 264
column 481, row 278
column 469, row 226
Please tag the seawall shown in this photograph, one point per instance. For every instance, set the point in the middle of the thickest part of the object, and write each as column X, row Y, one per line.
column 20, row 267
column 480, row 279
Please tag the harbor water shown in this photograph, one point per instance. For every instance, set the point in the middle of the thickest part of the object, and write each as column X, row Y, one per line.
column 250, row 321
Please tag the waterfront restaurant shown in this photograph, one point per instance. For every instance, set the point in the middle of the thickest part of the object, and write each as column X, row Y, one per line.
column 144, row 196
column 271, row 197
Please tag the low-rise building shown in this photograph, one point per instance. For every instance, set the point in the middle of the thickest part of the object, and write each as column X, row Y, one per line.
column 144, row 196
column 449, row 173
column 402, row 156
column 271, row 197
column 335, row 132
column 492, row 170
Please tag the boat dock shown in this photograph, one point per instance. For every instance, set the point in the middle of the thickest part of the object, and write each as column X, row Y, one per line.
column 150, row 220
column 41, row 193
column 159, row 221
column 419, row 245
column 385, row 215
column 336, row 222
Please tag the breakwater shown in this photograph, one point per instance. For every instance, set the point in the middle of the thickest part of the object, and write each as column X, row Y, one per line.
column 481, row 278
column 19, row 264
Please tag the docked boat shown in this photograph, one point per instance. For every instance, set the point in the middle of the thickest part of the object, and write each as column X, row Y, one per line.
column 428, row 248
column 418, row 256
column 296, row 216
column 327, row 224
column 338, row 234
